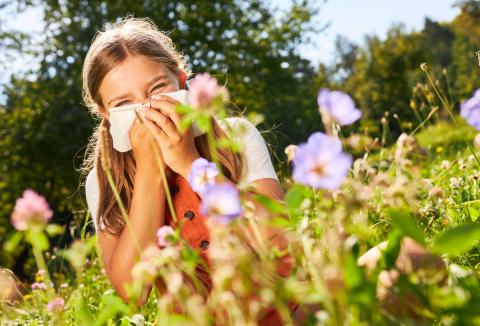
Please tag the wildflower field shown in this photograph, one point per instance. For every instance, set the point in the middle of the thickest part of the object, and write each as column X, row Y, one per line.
column 346, row 195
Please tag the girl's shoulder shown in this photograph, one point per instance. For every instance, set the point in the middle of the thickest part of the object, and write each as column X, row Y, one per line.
column 257, row 162
column 92, row 192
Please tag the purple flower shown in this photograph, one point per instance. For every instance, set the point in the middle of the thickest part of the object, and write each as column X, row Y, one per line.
column 202, row 175
column 203, row 91
column 30, row 208
column 39, row 286
column 57, row 304
column 321, row 163
column 162, row 234
column 222, row 203
column 470, row 110
column 339, row 105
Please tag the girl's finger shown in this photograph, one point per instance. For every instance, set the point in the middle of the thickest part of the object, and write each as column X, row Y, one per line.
column 163, row 122
column 167, row 106
column 158, row 133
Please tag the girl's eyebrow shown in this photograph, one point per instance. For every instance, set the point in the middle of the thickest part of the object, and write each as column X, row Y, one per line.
column 153, row 81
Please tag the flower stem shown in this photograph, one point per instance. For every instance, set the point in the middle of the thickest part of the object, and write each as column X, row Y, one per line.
column 162, row 170
column 451, row 115
column 122, row 208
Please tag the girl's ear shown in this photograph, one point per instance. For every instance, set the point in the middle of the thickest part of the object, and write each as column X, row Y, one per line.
column 102, row 112
column 183, row 78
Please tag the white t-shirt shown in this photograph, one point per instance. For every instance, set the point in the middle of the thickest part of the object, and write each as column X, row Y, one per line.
column 257, row 163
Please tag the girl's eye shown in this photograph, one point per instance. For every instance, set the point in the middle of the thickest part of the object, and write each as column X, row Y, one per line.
column 158, row 86
column 122, row 103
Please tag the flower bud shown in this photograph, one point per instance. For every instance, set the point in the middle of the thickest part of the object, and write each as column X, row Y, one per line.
column 423, row 66
column 291, row 151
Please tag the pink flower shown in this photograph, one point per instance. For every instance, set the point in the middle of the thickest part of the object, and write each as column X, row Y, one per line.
column 162, row 234
column 64, row 285
column 203, row 90
column 31, row 207
column 39, row 286
column 55, row 305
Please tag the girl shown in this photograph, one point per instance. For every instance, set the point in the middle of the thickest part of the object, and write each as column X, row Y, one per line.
column 129, row 63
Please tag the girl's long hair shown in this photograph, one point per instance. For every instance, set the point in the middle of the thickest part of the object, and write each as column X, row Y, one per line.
column 110, row 47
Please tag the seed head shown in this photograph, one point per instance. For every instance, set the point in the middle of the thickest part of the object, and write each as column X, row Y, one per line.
column 435, row 109
column 395, row 116
column 105, row 158
column 444, row 71
column 423, row 66
column 386, row 114
column 384, row 120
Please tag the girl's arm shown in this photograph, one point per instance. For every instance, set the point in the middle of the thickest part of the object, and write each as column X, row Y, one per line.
column 120, row 255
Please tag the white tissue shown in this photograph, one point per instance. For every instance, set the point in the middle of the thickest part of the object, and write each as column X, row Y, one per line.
column 122, row 119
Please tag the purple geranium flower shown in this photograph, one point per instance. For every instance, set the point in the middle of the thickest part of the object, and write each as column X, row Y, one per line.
column 202, row 175
column 222, row 203
column 339, row 105
column 321, row 163
column 470, row 110
column 30, row 208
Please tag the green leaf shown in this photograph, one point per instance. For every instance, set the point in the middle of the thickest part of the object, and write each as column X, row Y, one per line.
column 203, row 123
column 272, row 205
column 408, row 226
column 353, row 275
column 457, row 239
column 451, row 214
column 113, row 305
column 471, row 212
column 38, row 239
column 278, row 222
column 390, row 254
column 54, row 229
column 293, row 200
column 13, row 241
column 183, row 109
column 187, row 120
column 228, row 143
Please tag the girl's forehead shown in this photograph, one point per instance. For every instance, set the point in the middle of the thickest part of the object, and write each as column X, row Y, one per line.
column 134, row 73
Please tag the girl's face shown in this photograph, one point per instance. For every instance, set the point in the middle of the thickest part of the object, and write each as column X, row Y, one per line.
column 135, row 81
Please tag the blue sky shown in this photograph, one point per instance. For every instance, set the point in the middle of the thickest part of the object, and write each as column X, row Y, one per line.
column 351, row 18
column 357, row 18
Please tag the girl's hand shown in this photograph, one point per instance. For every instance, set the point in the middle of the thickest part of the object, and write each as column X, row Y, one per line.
column 178, row 148
column 142, row 148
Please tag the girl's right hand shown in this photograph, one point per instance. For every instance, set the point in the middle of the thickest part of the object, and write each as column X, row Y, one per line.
column 142, row 147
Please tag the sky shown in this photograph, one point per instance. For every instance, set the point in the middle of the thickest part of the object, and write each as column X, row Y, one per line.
column 357, row 18
column 351, row 18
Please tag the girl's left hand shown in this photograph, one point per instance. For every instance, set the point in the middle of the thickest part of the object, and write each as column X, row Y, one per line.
column 178, row 148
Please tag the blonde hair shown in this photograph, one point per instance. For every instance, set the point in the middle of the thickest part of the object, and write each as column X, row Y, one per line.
column 111, row 47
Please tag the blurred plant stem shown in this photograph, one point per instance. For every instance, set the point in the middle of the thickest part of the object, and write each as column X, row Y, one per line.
column 162, row 170
column 122, row 208
column 451, row 115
